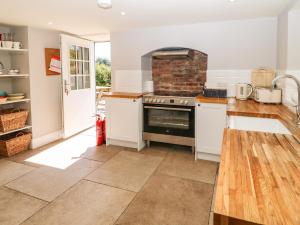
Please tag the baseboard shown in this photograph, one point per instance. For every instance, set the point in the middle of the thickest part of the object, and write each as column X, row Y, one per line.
column 127, row 144
column 46, row 139
column 207, row 156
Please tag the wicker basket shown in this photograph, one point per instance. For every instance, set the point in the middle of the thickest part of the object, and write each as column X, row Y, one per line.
column 12, row 119
column 12, row 144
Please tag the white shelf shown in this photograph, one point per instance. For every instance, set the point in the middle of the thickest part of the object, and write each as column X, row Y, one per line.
column 14, row 75
column 11, row 50
column 15, row 101
column 12, row 131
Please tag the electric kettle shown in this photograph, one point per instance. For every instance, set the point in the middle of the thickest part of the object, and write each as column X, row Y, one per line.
column 243, row 91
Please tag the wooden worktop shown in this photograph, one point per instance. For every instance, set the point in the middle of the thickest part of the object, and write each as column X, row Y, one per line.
column 259, row 174
column 202, row 99
column 123, row 95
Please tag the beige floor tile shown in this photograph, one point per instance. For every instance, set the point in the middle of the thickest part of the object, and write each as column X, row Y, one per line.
column 21, row 157
column 211, row 218
column 182, row 164
column 101, row 153
column 158, row 149
column 10, row 170
column 16, row 207
column 47, row 183
column 126, row 170
column 214, row 195
column 169, row 201
column 87, row 203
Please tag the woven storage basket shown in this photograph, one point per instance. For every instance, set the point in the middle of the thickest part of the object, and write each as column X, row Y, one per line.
column 12, row 119
column 12, row 144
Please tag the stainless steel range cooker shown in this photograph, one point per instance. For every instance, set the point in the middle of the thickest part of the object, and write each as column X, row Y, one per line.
column 169, row 119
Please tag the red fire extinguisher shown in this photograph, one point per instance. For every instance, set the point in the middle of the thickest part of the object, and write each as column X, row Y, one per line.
column 103, row 130
column 99, row 130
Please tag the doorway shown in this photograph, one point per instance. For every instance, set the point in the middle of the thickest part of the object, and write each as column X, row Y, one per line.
column 103, row 74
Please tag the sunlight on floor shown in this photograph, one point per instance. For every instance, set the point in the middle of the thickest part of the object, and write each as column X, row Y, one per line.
column 64, row 154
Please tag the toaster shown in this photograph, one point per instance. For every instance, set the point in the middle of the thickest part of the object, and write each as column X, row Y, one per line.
column 267, row 95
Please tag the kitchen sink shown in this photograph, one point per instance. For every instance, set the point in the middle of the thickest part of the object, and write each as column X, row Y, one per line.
column 257, row 124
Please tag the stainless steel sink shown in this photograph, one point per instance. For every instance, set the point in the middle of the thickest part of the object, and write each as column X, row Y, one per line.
column 257, row 124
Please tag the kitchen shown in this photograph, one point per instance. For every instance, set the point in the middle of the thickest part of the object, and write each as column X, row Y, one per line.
column 202, row 121
column 213, row 114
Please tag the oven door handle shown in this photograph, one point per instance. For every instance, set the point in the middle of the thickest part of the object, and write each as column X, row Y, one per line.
column 167, row 108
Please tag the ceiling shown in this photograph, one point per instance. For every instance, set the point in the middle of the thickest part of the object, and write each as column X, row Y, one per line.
column 83, row 17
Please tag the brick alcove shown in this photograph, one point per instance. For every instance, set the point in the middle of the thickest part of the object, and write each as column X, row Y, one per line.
column 180, row 76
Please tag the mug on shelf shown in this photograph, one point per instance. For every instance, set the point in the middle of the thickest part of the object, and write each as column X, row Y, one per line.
column 17, row 45
column 7, row 44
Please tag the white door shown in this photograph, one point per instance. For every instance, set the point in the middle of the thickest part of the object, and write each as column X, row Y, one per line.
column 78, row 77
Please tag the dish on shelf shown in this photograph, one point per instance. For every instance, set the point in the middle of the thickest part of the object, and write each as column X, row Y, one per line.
column 13, row 72
column 3, row 99
column 15, row 94
column 3, row 94
column 15, row 98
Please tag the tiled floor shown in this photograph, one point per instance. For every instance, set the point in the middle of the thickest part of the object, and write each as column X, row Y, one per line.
column 74, row 182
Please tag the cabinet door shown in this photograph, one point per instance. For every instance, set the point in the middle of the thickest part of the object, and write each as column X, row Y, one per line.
column 123, row 119
column 210, row 124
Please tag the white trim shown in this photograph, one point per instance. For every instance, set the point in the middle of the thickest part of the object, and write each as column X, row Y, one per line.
column 129, row 144
column 207, row 156
column 46, row 139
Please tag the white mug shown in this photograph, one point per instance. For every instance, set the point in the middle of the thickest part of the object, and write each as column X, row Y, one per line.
column 17, row 45
column 7, row 44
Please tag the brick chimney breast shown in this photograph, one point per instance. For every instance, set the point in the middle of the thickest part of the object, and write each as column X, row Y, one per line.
column 180, row 77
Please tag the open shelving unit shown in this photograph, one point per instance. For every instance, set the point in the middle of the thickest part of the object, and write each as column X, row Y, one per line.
column 17, row 130
column 16, row 83
column 15, row 101
column 14, row 75
column 11, row 50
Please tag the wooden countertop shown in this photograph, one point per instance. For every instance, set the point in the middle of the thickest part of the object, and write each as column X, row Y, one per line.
column 259, row 174
column 202, row 99
column 123, row 95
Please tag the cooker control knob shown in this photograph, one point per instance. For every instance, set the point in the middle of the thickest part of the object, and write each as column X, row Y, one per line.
column 154, row 100
column 146, row 100
column 181, row 102
column 186, row 102
column 150, row 100
column 158, row 100
column 163, row 101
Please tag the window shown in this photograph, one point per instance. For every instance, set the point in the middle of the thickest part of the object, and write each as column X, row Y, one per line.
column 80, row 67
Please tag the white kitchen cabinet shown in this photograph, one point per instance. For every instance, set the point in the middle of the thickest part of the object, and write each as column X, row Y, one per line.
column 210, row 124
column 124, row 122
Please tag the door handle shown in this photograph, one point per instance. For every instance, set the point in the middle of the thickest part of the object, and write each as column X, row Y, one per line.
column 67, row 87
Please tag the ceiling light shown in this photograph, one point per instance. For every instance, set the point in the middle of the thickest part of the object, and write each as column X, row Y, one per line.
column 231, row 0
column 104, row 4
column 50, row 23
column 123, row 13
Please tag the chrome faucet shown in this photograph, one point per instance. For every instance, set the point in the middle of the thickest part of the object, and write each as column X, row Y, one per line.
column 298, row 87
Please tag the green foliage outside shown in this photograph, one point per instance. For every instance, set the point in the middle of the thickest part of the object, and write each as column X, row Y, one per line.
column 103, row 72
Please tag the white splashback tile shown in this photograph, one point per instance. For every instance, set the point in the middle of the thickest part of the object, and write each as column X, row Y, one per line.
column 128, row 81
column 229, row 76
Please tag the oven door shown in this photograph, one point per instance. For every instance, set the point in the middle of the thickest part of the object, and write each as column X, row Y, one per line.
column 170, row 120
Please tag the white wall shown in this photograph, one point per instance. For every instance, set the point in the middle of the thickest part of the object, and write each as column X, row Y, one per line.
column 289, row 53
column 45, row 90
column 233, row 47
column 282, row 41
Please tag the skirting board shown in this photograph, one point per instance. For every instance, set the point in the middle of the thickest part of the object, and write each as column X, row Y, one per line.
column 127, row 144
column 46, row 139
column 207, row 156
